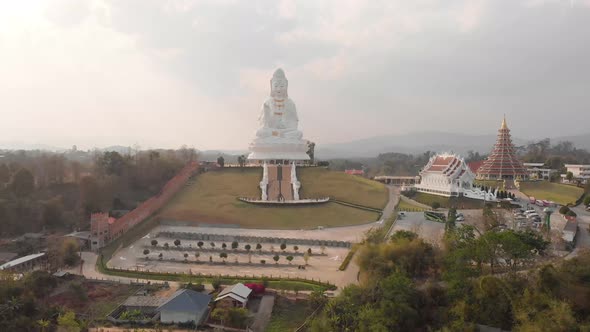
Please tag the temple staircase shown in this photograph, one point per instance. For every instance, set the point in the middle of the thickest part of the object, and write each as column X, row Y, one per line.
column 279, row 183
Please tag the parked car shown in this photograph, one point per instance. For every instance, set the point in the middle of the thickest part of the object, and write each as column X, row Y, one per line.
column 588, row 208
column 460, row 218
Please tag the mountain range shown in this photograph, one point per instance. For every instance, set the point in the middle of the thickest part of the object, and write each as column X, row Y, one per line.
column 368, row 147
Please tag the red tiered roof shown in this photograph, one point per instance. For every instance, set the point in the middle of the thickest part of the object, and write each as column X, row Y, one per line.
column 502, row 162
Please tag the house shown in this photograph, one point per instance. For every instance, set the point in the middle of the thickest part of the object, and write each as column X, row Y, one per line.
column 580, row 172
column 538, row 171
column 233, row 296
column 185, row 306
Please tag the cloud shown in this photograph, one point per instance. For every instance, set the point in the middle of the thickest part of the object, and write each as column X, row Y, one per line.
column 166, row 73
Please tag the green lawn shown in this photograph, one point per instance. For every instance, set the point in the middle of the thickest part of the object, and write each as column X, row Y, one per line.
column 317, row 182
column 447, row 202
column 557, row 192
column 212, row 198
column 408, row 206
column 288, row 315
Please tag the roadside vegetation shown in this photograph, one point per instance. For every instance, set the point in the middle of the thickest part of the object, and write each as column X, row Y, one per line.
column 407, row 285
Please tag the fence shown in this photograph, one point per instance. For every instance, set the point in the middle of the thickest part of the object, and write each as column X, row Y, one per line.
column 225, row 278
column 252, row 239
column 147, row 208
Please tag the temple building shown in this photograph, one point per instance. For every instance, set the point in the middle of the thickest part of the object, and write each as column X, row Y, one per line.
column 502, row 163
column 449, row 175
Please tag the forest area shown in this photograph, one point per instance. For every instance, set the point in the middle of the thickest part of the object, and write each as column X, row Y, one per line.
column 48, row 191
column 409, row 285
column 554, row 156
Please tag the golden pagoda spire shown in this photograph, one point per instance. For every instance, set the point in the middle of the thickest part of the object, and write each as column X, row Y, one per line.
column 504, row 126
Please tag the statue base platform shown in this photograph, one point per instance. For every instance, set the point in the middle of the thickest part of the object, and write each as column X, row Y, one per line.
column 307, row 201
column 278, row 149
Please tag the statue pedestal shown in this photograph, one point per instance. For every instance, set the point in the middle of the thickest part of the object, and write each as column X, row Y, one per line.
column 278, row 149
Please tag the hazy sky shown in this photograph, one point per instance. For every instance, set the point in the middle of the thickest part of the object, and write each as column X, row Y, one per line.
column 166, row 73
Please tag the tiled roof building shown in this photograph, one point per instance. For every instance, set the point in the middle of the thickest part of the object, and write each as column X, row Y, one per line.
column 502, row 163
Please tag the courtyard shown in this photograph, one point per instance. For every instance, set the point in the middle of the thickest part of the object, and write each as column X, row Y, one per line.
column 210, row 257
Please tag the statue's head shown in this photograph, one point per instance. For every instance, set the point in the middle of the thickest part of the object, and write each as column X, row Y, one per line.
column 279, row 84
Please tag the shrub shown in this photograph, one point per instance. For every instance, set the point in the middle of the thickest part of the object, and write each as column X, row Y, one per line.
column 564, row 210
column 435, row 205
column 263, row 261
column 587, row 200
column 216, row 283
column 571, row 213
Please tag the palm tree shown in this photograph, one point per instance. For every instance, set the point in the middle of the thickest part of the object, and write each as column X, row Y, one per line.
column 259, row 248
column 212, row 244
column 248, row 247
column 197, row 256
column 146, row 252
column 276, row 259
column 160, row 256
column 185, row 256
column 289, row 258
column 177, row 242
column 223, row 246
column 154, row 243
column 200, row 244
column 296, row 248
column 223, row 256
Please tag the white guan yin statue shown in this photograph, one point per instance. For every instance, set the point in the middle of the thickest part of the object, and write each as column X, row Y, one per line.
column 278, row 137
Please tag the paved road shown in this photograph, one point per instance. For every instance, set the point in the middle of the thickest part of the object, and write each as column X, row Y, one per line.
column 394, row 197
column 264, row 312
column 583, row 237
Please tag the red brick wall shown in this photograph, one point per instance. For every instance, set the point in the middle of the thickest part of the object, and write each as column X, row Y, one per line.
column 147, row 208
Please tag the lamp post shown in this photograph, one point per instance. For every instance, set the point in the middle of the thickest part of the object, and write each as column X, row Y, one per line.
column 548, row 212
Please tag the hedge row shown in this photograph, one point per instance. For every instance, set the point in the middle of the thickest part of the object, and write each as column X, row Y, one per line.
column 273, row 282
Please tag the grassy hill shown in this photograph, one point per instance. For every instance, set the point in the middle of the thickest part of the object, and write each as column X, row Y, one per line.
column 211, row 198
column 557, row 192
column 319, row 182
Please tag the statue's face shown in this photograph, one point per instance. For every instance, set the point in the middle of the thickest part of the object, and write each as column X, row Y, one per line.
column 279, row 88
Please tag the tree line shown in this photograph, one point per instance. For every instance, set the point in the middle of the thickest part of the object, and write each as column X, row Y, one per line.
column 52, row 191
column 491, row 279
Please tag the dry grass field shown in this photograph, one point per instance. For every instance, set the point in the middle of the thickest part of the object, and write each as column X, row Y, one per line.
column 211, row 198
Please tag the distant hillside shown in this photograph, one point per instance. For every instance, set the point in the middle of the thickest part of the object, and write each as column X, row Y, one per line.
column 420, row 142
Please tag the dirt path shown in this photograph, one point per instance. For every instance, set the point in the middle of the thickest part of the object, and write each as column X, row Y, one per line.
column 264, row 312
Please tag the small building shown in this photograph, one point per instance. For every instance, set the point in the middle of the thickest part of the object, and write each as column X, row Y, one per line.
column 100, row 229
column 26, row 264
column 569, row 231
column 234, row 296
column 538, row 171
column 580, row 172
column 185, row 306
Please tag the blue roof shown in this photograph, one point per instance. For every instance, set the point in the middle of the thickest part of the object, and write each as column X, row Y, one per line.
column 186, row 300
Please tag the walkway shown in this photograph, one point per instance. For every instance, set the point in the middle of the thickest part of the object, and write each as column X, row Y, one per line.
column 583, row 237
column 264, row 312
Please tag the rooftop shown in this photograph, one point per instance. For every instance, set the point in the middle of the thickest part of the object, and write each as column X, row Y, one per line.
column 186, row 300
column 238, row 292
column 21, row 260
